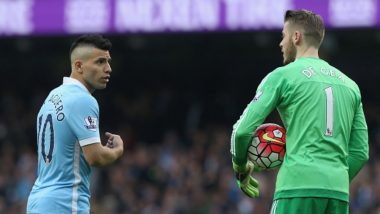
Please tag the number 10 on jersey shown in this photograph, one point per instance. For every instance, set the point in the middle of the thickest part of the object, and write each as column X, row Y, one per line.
column 41, row 137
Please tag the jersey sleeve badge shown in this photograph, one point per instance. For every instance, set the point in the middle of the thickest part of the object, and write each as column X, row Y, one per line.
column 257, row 96
column 91, row 123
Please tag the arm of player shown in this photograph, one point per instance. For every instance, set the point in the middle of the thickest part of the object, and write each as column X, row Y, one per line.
column 268, row 96
column 98, row 155
column 358, row 145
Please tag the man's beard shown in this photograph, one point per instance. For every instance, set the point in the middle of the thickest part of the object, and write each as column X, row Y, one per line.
column 290, row 54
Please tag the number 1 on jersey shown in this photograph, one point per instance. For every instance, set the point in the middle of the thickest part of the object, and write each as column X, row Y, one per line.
column 329, row 111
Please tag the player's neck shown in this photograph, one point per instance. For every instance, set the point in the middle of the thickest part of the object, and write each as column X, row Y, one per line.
column 307, row 52
column 81, row 80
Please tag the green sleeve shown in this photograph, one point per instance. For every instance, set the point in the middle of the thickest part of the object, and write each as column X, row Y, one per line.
column 267, row 97
column 358, row 145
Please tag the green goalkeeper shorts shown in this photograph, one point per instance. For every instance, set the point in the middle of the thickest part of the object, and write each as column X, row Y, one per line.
column 309, row 206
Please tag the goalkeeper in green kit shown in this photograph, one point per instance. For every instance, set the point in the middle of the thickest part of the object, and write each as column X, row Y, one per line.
column 321, row 109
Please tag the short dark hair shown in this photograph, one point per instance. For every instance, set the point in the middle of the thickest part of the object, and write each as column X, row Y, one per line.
column 312, row 24
column 94, row 40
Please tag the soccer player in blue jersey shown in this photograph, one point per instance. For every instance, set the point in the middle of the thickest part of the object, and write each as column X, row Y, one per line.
column 68, row 135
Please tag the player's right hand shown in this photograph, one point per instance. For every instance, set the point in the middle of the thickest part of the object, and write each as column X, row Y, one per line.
column 245, row 181
column 114, row 141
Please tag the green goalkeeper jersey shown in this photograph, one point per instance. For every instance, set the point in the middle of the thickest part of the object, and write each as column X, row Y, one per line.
column 327, row 136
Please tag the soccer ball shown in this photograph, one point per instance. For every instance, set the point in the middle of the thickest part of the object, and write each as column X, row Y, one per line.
column 267, row 149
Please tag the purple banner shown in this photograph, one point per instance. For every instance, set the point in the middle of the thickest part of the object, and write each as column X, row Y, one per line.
column 47, row 17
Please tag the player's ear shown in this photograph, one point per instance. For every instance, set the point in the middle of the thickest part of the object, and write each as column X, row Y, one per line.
column 78, row 66
column 297, row 36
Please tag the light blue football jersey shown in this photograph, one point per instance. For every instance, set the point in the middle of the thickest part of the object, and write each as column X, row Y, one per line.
column 67, row 120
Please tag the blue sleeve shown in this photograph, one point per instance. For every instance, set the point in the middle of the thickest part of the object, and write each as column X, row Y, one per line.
column 84, row 120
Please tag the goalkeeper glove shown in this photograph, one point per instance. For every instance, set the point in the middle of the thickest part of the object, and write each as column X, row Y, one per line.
column 245, row 181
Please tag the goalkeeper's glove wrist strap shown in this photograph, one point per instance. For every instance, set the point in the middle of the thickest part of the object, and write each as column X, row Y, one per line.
column 239, row 168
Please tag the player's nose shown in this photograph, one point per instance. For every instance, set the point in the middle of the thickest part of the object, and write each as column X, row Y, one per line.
column 281, row 47
column 108, row 68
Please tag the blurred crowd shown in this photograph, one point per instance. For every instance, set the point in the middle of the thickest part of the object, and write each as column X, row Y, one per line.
column 167, row 171
column 173, row 99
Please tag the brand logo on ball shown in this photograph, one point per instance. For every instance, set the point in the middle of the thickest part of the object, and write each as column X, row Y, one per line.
column 267, row 149
column 266, row 137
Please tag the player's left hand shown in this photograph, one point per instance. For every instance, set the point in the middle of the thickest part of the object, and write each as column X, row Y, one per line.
column 245, row 181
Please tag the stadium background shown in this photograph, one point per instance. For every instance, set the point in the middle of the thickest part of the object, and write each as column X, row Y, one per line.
column 174, row 98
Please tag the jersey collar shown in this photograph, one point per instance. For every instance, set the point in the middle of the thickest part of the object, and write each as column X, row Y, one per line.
column 72, row 81
column 307, row 57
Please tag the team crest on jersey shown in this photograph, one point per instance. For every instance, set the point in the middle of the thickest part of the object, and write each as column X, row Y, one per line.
column 91, row 123
column 257, row 96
